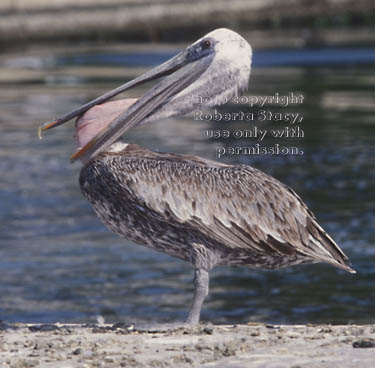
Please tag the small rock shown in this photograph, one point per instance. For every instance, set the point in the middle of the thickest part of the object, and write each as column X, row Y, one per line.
column 43, row 328
column 327, row 329
column 364, row 343
column 272, row 327
column 98, row 329
column 5, row 326
column 122, row 327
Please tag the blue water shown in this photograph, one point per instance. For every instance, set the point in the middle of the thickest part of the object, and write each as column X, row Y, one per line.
column 59, row 263
column 262, row 58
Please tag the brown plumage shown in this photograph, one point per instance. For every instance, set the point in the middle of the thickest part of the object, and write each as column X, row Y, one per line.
column 205, row 212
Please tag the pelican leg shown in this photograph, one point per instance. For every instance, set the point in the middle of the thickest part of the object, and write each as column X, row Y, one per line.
column 201, row 281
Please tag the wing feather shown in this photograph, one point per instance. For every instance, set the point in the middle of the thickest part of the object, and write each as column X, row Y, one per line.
column 239, row 206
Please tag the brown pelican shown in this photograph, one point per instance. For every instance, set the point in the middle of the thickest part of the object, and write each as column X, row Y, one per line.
column 204, row 212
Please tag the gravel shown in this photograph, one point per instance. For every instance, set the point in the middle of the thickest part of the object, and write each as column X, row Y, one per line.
column 253, row 345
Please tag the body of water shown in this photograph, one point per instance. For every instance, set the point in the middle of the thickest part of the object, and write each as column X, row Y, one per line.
column 59, row 263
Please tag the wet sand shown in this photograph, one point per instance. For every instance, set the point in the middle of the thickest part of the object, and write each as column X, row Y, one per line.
column 254, row 345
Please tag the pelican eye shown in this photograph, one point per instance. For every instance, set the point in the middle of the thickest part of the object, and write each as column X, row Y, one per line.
column 200, row 49
column 206, row 44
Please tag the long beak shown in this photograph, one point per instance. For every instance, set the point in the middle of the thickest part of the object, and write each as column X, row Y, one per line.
column 181, row 71
column 144, row 107
column 164, row 69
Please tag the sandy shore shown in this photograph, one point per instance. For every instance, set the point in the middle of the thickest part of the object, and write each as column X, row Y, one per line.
column 253, row 345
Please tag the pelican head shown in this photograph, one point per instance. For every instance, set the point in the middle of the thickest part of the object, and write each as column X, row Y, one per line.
column 212, row 69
